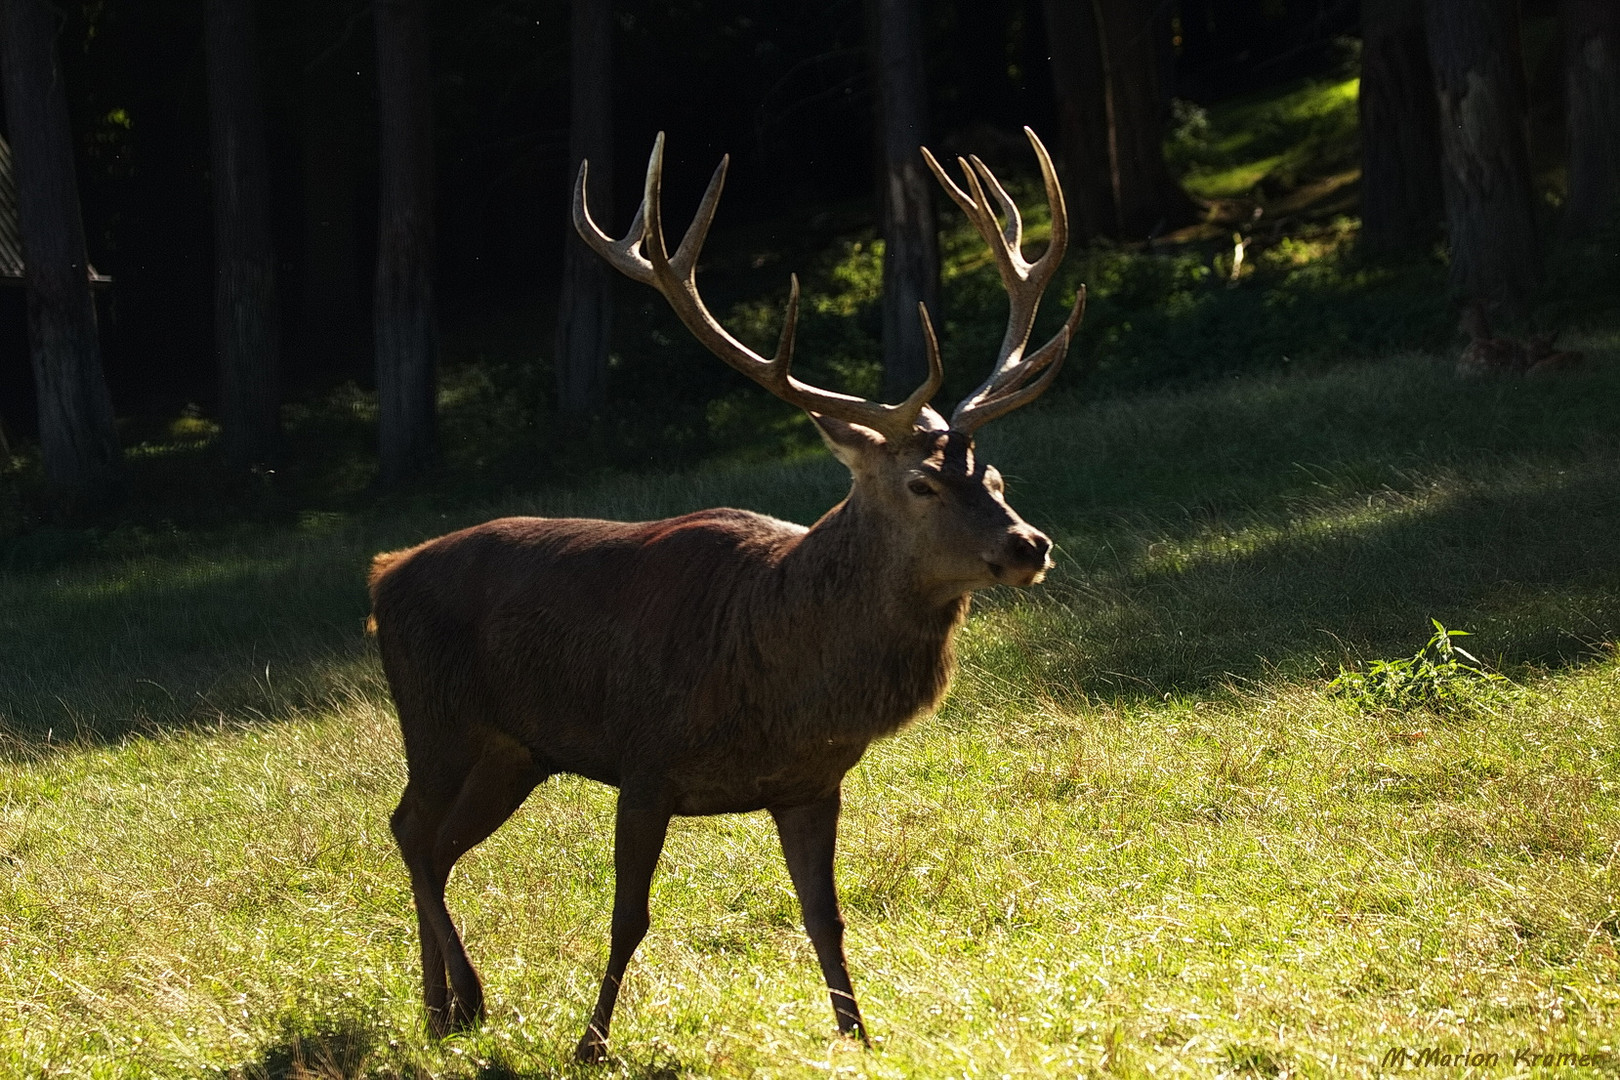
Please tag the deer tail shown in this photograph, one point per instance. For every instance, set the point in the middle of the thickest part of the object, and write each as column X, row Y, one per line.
column 380, row 565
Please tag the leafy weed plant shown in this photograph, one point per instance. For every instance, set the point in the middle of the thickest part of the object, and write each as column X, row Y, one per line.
column 1442, row 675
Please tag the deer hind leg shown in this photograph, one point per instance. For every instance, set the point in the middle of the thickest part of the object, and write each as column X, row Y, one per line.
column 433, row 832
column 638, row 839
column 809, row 838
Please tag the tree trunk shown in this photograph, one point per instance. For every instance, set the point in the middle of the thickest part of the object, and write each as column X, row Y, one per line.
column 910, row 240
column 1077, row 82
column 247, row 331
column 1592, row 74
column 585, row 306
column 77, row 439
column 406, row 335
column 1485, row 160
column 330, row 327
column 1148, row 199
column 1401, row 200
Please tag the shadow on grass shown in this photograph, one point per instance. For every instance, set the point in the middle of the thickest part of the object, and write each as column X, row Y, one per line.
column 354, row 1048
column 1533, row 573
column 1303, row 524
column 338, row 1051
column 98, row 653
column 1532, row 570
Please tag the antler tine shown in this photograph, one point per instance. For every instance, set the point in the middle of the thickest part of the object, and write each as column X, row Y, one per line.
column 683, row 263
column 652, row 210
column 781, row 369
column 973, row 204
column 1012, row 234
column 1040, row 272
column 685, row 260
column 619, row 254
column 643, row 256
column 974, row 414
column 1024, row 281
column 1059, row 240
column 936, row 369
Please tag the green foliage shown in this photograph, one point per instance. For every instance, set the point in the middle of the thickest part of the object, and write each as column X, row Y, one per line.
column 1171, row 315
column 1164, row 314
column 1442, row 675
column 1265, row 143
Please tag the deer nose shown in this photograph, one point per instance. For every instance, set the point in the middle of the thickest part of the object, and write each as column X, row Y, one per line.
column 1028, row 547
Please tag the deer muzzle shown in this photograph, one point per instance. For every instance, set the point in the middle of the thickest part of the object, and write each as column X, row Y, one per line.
column 1023, row 557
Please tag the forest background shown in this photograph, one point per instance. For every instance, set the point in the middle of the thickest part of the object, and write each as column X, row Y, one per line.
column 239, row 333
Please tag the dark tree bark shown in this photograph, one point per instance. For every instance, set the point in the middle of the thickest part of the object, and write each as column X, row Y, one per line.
column 910, row 239
column 1148, row 199
column 76, row 434
column 403, row 315
column 585, row 306
column 1401, row 199
column 1592, row 74
column 247, row 331
column 330, row 331
column 1077, row 82
column 1485, row 160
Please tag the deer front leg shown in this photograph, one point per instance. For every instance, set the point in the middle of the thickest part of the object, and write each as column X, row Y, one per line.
column 638, row 840
column 809, row 837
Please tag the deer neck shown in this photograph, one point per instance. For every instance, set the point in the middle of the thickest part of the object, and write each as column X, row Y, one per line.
column 850, row 558
column 884, row 652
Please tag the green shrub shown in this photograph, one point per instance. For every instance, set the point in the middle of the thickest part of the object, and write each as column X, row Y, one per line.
column 1441, row 676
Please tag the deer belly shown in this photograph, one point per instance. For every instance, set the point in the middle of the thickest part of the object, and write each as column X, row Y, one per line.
column 775, row 777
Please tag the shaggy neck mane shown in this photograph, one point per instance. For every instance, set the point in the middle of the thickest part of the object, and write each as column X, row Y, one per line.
column 887, row 654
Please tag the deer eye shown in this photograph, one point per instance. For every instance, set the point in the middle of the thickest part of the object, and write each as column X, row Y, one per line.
column 921, row 487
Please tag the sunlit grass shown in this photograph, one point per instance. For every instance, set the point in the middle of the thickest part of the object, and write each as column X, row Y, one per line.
column 1234, row 181
column 1271, row 138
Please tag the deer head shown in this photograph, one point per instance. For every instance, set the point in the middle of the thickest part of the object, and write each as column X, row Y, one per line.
column 945, row 523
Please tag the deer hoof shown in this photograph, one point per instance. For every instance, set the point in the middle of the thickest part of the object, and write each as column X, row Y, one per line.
column 592, row 1049
column 454, row 1018
column 464, row 1018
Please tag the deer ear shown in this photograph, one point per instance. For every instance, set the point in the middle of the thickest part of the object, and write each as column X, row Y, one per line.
column 848, row 442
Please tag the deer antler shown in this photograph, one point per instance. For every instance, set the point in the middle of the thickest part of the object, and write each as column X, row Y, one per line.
column 1005, row 389
column 643, row 256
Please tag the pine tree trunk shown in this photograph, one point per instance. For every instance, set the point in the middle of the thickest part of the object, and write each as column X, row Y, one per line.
column 247, row 331
column 331, row 333
column 1077, row 82
column 1401, row 200
column 1485, row 160
column 585, row 307
column 1592, row 74
column 406, row 335
column 1149, row 200
column 76, row 434
column 911, row 243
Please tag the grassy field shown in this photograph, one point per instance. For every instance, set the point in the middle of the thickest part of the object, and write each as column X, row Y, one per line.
column 1148, row 834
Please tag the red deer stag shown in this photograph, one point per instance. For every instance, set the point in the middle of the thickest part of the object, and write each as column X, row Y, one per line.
column 715, row 663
